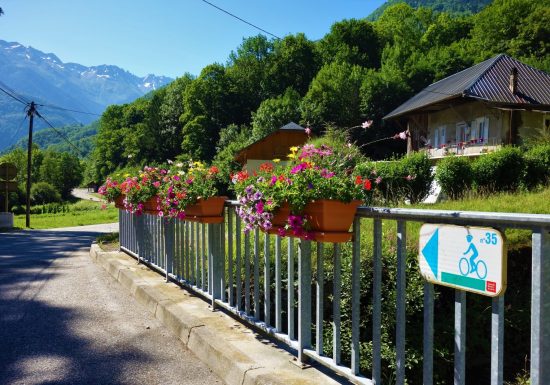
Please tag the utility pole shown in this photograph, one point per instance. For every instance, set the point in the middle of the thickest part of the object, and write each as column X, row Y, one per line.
column 30, row 114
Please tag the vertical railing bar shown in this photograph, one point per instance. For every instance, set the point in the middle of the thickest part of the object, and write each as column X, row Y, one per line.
column 247, row 273
column 190, row 252
column 377, row 303
column 304, row 299
column 187, row 257
column 257, row 273
column 428, row 362
column 203, row 256
column 290, row 289
column 336, row 294
column 195, row 231
column 169, row 235
column 401, row 301
column 182, row 244
column 540, row 307
column 210, row 238
column 278, row 272
column 497, row 340
column 355, row 296
column 230, row 256
column 222, row 260
column 460, row 338
column 267, row 281
column 319, row 301
column 238, row 268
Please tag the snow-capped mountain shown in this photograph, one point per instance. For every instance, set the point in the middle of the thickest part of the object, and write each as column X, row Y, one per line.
column 44, row 78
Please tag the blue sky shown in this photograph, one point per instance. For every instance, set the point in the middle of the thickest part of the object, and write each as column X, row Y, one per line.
column 164, row 37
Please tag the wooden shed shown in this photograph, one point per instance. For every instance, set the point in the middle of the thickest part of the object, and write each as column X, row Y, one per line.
column 273, row 146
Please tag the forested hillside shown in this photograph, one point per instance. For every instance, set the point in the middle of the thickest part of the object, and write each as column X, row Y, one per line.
column 359, row 70
column 450, row 6
column 81, row 136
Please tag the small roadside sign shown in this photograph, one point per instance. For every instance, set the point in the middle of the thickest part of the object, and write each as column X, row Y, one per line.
column 463, row 257
column 8, row 171
column 7, row 186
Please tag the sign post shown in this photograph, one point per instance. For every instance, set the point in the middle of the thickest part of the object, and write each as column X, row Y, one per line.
column 465, row 258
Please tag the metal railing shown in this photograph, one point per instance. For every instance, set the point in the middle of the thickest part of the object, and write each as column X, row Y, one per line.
column 267, row 281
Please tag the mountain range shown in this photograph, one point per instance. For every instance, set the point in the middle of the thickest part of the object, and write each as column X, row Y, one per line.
column 44, row 78
column 450, row 6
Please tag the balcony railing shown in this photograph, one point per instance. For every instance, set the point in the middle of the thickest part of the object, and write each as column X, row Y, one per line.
column 277, row 285
column 474, row 147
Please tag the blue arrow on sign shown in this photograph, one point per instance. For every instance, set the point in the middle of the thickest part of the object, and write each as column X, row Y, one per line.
column 430, row 252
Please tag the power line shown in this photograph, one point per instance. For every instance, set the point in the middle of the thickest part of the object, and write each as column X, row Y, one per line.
column 67, row 109
column 238, row 18
column 13, row 138
column 63, row 136
column 14, row 93
column 13, row 96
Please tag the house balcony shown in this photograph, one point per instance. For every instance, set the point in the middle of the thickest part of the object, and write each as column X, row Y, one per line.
column 471, row 148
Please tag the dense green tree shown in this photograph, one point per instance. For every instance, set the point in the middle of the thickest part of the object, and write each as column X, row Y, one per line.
column 334, row 97
column 61, row 170
column 276, row 112
column 294, row 63
column 498, row 28
column 351, row 41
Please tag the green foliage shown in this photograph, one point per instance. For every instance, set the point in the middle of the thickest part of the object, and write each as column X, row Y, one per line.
column 537, row 165
column 61, row 170
column 502, row 170
column 275, row 113
column 408, row 178
column 454, row 175
column 334, row 96
column 351, row 41
column 449, row 6
column 43, row 192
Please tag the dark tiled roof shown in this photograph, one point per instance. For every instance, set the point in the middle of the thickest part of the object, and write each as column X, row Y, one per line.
column 488, row 81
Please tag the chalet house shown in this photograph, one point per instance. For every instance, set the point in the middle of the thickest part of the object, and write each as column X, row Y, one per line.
column 499, row 101
column 275, row 145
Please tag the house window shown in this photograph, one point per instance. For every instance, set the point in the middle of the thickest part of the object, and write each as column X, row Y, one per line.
column 460, row 134
column 480, row 130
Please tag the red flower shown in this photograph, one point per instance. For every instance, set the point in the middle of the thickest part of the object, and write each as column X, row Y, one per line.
column 266, row 167
column 214, row 170
column 367, row 185
column 358, row 180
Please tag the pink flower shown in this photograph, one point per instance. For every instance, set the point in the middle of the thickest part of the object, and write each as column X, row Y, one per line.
column 308, row 131
column 378, row 180
column 366, row 124
column 156, row 184
column 281, row 231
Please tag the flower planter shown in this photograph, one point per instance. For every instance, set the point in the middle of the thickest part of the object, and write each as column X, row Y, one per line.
column 280, row 216
column 206, row 211
column 150, row 206
column 328, row 220
column 119, row 201
column 330, row 216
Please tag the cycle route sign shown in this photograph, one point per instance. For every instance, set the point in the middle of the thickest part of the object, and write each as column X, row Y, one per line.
column 463, row 257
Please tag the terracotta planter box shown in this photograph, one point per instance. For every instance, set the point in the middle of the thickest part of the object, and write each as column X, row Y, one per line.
column 329, row 220
column 206, row 211
column 150, row 205
column 280, row 216
column 119, row 201
column 331, row 216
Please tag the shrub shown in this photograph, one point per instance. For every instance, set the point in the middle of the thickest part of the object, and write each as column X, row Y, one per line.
column 408, row 178
column 499, row 171
column 537, row 166
column 43, row 192
column 454, row 175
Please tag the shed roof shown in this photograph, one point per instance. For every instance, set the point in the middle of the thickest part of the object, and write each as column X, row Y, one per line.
column 275, row 144
column 488, row 81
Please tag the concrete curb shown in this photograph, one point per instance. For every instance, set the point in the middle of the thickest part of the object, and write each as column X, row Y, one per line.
column 235, row 353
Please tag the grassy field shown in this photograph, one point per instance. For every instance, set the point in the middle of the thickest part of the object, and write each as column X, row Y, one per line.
column 80, row 213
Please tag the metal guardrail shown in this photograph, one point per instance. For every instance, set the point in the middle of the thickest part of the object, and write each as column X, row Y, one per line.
column 228, row 267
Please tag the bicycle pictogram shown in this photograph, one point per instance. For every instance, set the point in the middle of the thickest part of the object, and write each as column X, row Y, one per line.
column 470, row 266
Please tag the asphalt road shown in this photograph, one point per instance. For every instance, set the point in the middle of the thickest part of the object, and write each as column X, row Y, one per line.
column 63, row 320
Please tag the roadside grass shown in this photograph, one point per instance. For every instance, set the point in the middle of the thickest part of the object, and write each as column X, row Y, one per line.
column 81, row 213
column 533, row 202
column 108, row 242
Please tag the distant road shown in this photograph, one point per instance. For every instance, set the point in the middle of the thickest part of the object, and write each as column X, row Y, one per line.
column 65, row 321
column 83, row 193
